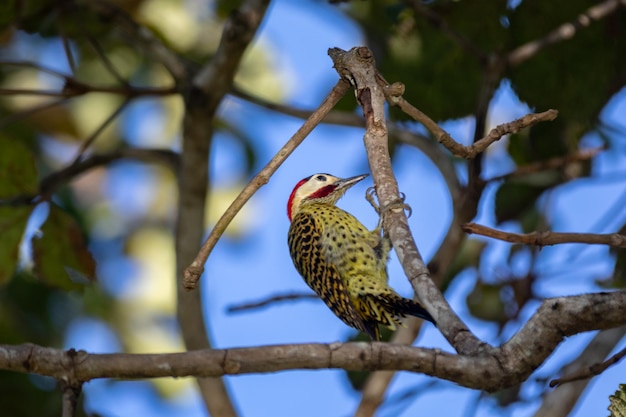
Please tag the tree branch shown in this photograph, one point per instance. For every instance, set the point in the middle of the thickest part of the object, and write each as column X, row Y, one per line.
column 547, row 238
column 193, row 272
column 203, row 95
column 394, row 92
column 72, row 87
column 49, row 184
column 561, row 401
column 563, row 32
column 607, row 339
column 498, row 368
column 358, row 67
column 146, row 40
column 375, row 385
column 71, row 392
column 552, row 163
column 272, row 300
column 344, row 118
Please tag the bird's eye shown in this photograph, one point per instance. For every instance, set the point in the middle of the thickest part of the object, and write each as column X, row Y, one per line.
column 321, row 178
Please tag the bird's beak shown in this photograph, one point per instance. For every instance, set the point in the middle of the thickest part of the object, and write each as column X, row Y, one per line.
column 346, row 183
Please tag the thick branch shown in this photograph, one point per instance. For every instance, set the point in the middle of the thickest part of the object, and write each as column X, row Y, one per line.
column 547, row 238
column 358, row 67
column 499, row 368
column 203, row 96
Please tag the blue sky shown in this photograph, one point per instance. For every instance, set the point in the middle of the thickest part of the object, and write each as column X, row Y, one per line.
column 300, row 32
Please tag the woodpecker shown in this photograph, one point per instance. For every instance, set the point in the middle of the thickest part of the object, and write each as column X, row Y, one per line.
column 341, row 260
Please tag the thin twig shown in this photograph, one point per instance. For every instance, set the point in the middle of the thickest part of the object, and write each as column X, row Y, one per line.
column 335, row 117
column 193, row 271
column 105, row 59
column 74, row 88
column 560, row 401
column 30, row 92
column 89, row 141
column 552, row 163
column 591, row 371
column 508, row 128
column 394, row 92
column 34, row 65
column 68, row 51
column 49, row 184
column 25, row 113
column 343, row 118
column 564, row 32
column 146, row 40
column 547, row 238
column 236, row 308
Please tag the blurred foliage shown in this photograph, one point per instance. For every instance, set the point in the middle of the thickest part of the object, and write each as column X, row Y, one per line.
column 34, row 312
column 62, row 251
column 416, row 45
column 18, row 177
column 49, row 280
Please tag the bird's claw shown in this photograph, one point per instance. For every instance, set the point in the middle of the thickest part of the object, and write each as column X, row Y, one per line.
column 399, row 203
column 382, row 212
column 369, row 196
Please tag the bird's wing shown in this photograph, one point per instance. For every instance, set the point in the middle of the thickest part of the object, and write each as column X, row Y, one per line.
column 323, row 277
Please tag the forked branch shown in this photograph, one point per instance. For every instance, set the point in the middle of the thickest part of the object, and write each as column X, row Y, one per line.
column 193, row 271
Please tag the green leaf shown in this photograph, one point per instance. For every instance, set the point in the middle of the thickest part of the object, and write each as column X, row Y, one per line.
column 61, row 249
column 18, row 173
column 18, row 177
column 12, row 225
column 617, row 407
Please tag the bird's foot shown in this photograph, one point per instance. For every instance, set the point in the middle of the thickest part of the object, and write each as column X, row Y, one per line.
column 393, row 205
column 369, row 196
column 398, row 203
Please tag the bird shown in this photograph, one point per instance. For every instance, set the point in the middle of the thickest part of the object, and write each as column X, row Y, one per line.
column 341, row 260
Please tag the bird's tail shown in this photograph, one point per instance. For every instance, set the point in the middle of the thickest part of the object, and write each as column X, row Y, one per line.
column 404, row 307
